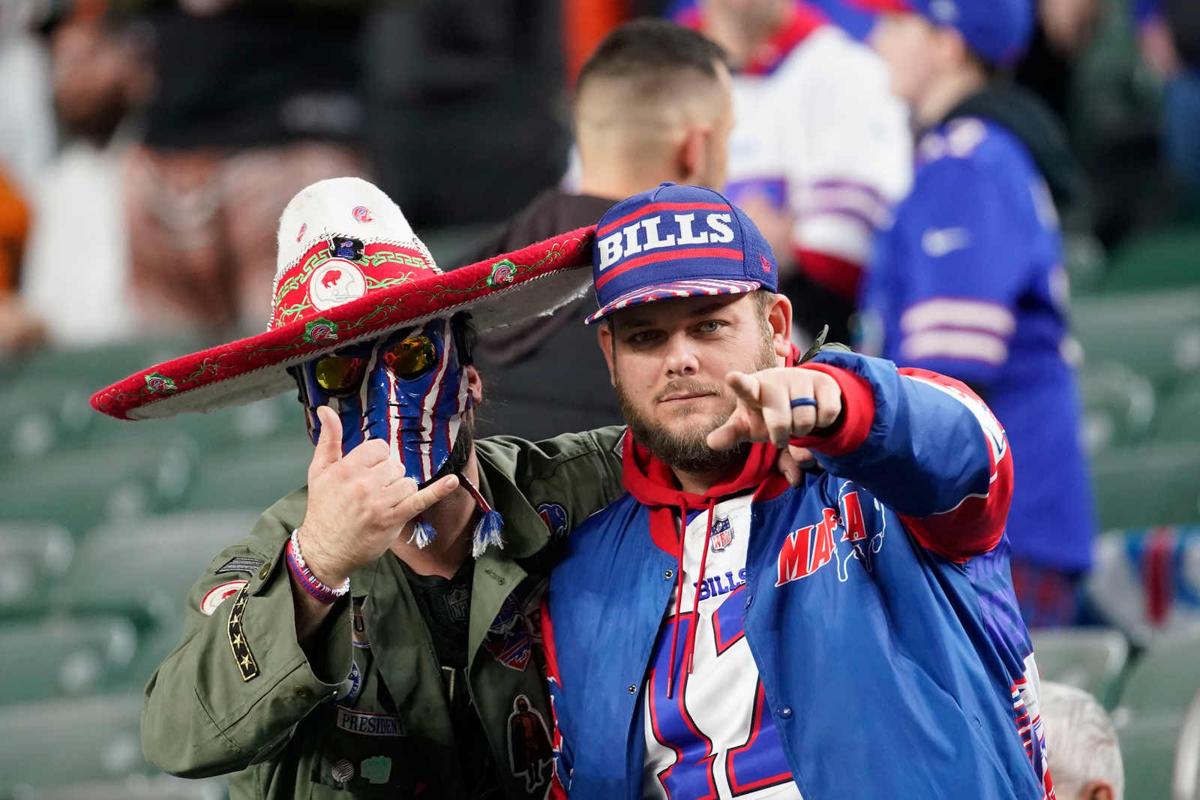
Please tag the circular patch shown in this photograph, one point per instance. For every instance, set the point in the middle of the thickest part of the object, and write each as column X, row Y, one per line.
column 335, row 282
column 362, row 214
column 219, row 594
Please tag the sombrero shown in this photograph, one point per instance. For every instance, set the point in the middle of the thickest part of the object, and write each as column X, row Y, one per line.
column 350, row 268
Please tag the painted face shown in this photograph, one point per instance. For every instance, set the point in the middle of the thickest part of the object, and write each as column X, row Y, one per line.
column 407, row 388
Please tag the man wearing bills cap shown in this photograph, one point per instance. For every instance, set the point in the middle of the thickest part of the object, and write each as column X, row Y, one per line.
column 718, row 631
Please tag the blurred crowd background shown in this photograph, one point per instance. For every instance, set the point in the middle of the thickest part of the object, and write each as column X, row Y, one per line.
column 147, row 149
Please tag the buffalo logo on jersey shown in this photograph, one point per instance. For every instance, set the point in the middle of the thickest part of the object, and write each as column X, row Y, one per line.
column 844, row 533
column 508, row 639
column 673, row 242
column 556, row 519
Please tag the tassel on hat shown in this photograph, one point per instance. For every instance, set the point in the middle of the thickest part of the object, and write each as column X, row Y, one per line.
column 423, row 533
column 490, row 528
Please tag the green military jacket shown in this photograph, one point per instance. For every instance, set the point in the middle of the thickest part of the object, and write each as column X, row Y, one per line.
column 367, row 715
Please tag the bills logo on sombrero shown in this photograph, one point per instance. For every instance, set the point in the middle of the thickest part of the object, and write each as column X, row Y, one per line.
column 335, row 282
column 218, row 594
column 674, row 242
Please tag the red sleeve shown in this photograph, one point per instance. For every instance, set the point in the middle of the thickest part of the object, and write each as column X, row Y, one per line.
column 558, row 790
column 858, row 412
column 976, row 524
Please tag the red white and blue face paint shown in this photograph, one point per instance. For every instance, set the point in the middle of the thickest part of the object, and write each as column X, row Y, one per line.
column 408, row 388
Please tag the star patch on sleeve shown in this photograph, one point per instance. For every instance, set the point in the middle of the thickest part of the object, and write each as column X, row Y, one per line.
column 237, row 640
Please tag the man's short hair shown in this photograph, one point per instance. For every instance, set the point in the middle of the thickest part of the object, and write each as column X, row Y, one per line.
column 1081, row 742
column 647, row 47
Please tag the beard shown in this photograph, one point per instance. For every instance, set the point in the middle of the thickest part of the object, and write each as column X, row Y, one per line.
column 688, row 451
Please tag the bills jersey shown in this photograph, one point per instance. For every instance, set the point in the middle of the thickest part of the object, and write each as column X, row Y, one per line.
column 718, row 702
column 969, row 282
column 865, row 643
column 818, row 134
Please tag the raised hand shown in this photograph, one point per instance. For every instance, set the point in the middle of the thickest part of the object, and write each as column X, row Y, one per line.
column 777, row 404
column 358, row 504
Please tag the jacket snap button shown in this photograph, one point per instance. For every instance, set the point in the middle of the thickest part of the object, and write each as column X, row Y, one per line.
column 632, row 688
column 303, row 692
column 668, row 575
column 786, row 712
column 266, row 570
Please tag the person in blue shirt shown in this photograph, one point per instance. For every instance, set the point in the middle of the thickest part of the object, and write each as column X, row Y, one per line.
column 969, row 281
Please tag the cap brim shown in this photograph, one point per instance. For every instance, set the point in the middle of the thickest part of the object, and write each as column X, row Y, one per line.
column 547, row 274
column 674, row 290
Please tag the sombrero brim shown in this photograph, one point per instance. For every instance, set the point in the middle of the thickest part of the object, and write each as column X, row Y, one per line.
column 546, row 275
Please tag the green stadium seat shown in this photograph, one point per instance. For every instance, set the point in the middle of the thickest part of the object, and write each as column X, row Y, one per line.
column 1162, row 260
column 104, row 364
column 71, row 657
column 1148, row 752
column 1148, row 485
column 1155, row 703
column 32, row 556
column 143, row 568
column 69, row 741
column 1166, row 677
column 1118, row 406
column 251, row 477
column 1086, row 658
column 1156, row 335
column 1178, row 415
column 80, row 489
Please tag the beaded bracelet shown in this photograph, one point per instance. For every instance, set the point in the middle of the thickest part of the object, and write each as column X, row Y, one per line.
column 312, row 584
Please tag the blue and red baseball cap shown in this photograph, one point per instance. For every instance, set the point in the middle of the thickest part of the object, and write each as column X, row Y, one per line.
column 998, row 31
column 673, row 242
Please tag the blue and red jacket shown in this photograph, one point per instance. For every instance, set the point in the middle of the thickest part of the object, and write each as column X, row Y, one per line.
column 877, row 606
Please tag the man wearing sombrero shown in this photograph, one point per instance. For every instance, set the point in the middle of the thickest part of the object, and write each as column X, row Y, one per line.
column 373, row 636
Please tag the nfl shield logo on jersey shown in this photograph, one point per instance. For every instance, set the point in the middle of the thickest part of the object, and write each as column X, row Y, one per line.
column 722, row 535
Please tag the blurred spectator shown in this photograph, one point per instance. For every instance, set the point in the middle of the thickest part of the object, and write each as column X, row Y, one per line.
column 1081, row 744
column 1062, row 30
column 820, row 151
column 652, row 104
column 969, row 280
column 76, row 271
column 26, row 120
column 467, row 118
column 1169, row 39
column 253, row 101
column 20, row 329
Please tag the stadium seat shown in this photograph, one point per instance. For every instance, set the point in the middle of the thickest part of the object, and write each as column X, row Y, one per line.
column 1148, row 751
column 1166, row 677
column 143, row 568
column 32, row 556
column 1160, row 260
column 1147, row 485
column 72, row 657
column 251, row 477
column 68, row 741
column 1157, row 334
column 79, row 489
column 1118, row 406
column 1161, row 687
column 1178, row 415
column 1088, row 658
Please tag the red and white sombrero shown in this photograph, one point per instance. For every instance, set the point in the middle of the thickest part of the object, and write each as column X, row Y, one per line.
column 326, row 297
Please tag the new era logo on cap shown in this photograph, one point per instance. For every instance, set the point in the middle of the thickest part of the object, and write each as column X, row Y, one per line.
column 677, row 241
